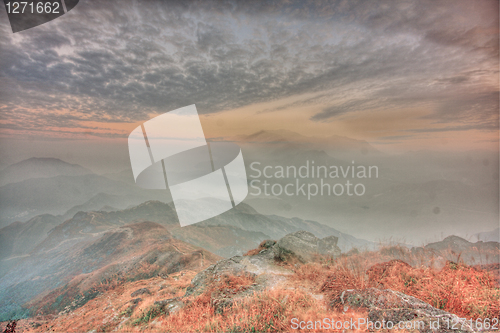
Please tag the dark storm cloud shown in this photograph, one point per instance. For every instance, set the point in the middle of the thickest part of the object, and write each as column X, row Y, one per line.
column 117, row 62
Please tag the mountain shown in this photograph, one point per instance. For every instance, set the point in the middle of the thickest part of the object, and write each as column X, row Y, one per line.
column 457, row 249
column 83, row 256
column 18, row 239
column 263, row 289
column 114, row 202
column 88, row 225
column 28, row 198
column 223, row 240
column 274, row 136
column 125, row 176
column 40, row 168
column 231, row 233
column 245, row 217
column 459, row 245
column 72, row 270
column 46, row 233
column 290, row 139
column 345, row 242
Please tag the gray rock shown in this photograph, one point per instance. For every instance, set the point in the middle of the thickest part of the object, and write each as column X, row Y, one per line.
column 264, row 265
column 229, row 251
column 260, row 268
column 264, row 268
column 267, row 243
column 305, row 246
column 170, row 305
column 395, row 307
column 328, row 246
column 141, row 291
column 233, row 266
column 136, row 301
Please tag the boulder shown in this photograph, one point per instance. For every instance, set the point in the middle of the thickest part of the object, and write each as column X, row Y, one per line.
column 268, row 243
column 395, row 307
column 305, row 246
column 260, row 266
column 265, row 266
column 328, row 246
column 141, row 291
column 170, row 305
column 136, row 301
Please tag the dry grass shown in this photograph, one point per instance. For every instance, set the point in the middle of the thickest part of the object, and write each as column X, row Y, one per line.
column 457, row 288
column 269, row 311
column 262, row 246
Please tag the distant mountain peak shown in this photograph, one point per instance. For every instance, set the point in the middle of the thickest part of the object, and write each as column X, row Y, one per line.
column 40, row 167
column 455, row 239
column 288, row 137
column 46, row 160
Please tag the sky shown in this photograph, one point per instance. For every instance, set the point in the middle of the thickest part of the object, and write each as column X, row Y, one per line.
column 405, row 75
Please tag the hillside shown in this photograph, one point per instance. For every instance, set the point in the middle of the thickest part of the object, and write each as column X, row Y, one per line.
column 247, row 218
column 223, row 240
column 106, row 248
column 88, row 225
column 114, row 202
column 20, row 238
column 455, row 249
column 231, row 233
column 77, row 266
column 57, row 251
column 290, row 281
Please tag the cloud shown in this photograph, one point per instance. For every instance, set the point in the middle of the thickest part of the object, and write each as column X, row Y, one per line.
column 468, row 127
column 344, row 108
column 111, row 62
column 395, row 137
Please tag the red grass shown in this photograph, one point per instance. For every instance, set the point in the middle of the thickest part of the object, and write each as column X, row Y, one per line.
column 228, row 304
column 269, row 311
column 457, row 288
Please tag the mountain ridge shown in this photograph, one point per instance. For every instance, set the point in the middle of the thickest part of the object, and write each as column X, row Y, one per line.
column 135, row 250
column 40, row 167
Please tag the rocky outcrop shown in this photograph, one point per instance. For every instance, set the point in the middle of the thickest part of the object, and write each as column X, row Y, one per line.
column 454, row 248
column 305, row 246
column 170, row 305
column 261, row 266
column 264, row 268
column 141, row 291
column 264, row 265
column 260, row 271
column 386, row 306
